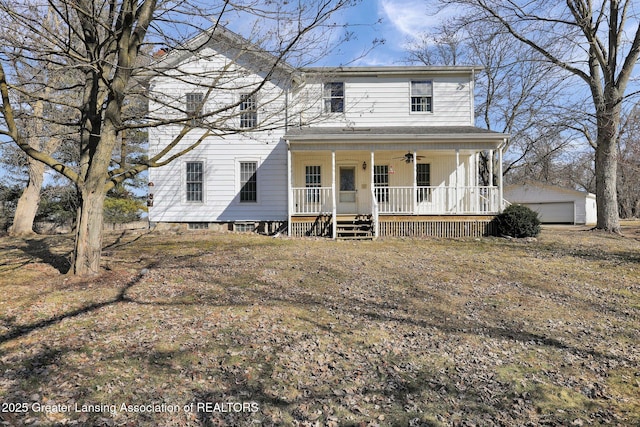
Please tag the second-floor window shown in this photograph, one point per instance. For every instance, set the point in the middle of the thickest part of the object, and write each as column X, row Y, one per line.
column 333, row 96
column 193, row 106
column 248, row 111
column 422, row 96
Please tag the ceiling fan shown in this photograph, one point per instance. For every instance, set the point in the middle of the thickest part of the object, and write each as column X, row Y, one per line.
column 408, row 158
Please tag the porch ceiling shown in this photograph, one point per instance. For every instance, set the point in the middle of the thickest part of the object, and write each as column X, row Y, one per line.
column 389, row 137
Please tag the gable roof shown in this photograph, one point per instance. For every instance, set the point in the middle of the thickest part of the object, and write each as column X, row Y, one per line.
column 223, row 40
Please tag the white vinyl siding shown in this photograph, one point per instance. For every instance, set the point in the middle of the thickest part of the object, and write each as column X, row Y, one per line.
column 385, row 101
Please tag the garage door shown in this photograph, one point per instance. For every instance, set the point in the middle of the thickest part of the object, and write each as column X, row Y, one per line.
column 557, row 212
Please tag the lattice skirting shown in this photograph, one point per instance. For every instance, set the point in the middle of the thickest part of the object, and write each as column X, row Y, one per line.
column 446, row 229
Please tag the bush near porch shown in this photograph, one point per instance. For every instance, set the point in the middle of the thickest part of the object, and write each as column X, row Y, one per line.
column 390, row 332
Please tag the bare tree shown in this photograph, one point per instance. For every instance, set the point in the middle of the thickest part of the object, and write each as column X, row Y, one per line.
column 629, row 166
column 515, row 93
column 104, row 45
column 597, row 43
column 41, row 125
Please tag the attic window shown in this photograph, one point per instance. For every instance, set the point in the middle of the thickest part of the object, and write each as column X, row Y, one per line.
column 193, row 107
column 422, row 96
column 248, row 111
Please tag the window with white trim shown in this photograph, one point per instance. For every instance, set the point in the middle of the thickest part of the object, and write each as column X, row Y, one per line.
column 194, row 182
column 422, row 96
column 423, row 179
column 193, row 106
column 313, row 182
column 333, row 97
column 381, row 182
column 248, row 182
column 248, row 111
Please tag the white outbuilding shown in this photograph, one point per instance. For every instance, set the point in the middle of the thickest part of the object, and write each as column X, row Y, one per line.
column 555, row 205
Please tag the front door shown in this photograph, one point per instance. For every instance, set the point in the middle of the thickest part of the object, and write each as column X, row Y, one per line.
column 347, row 196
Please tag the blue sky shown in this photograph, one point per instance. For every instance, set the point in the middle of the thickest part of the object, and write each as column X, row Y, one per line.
column 395, row 21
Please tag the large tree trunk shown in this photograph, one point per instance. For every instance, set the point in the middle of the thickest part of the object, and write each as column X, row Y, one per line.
column 88, row 243
column 606, row 166
column 28, row 201
column 606, row 193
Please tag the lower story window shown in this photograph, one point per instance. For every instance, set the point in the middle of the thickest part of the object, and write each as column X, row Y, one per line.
column 195, row 182
column 313, row 180
column 248, row 182
column 423, row 179
column 381, row 182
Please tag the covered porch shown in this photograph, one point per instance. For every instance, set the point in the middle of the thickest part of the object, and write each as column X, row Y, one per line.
column 390, row 181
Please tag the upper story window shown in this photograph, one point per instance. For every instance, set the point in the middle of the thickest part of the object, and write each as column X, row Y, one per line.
column 248, row 111
column 193, row 106
column 333, row 96
column 195, row 182
column 422, row 96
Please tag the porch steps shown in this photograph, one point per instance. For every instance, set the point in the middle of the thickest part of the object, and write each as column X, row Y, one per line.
column 358, row 227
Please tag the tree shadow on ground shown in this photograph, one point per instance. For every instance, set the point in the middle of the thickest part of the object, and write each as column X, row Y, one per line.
column 41, row 250
column 17, row 331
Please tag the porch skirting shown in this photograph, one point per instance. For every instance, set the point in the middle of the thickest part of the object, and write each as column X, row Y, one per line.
column 436, row 226
column 445, row 226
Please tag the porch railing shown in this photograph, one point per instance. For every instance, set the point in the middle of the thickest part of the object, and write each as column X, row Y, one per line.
column 404, row 200
column 437, row 200
column 312, row 200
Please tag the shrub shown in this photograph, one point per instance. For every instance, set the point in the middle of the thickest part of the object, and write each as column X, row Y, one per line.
column 518, row 221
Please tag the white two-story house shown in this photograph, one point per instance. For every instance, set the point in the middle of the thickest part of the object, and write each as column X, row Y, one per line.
column 346, row 152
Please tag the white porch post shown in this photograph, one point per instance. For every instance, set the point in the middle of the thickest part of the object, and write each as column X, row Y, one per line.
column 500, row 190
column 289, row 191
column 491, row 181
column 372, row 177
column 373, row 196
column 457, row 178
column 334, row 212
column 415, row 182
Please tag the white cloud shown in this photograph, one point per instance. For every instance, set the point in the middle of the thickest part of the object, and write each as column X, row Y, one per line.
column 408, row 18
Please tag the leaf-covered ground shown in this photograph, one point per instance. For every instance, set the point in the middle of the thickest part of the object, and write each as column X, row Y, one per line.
column 224, row 329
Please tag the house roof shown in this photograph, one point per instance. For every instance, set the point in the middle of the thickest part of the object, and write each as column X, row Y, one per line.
column 217, row 36
column 395, row 70
column 393, row 133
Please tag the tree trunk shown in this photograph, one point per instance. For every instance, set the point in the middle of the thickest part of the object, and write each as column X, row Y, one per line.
column 28, row 201
column 606, row 166
column 88, row 243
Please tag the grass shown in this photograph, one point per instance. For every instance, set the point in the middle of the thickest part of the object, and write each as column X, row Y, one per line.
column 392, row 332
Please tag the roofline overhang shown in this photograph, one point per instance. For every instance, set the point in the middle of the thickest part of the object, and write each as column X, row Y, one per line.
column 384, row 138
column 393, row 70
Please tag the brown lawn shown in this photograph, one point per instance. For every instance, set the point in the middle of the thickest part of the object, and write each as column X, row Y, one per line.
column 228, row 329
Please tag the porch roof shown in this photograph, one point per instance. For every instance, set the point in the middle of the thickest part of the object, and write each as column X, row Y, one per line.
column 386, row 137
